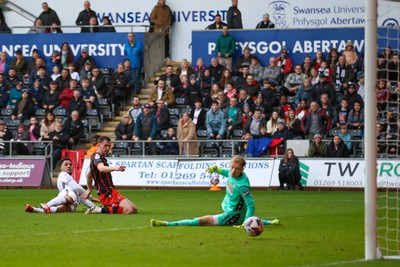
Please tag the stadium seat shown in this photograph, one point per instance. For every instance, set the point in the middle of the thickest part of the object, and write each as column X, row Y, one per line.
column 238, row 133
column 60, row 112
column 122, row 148
column 201, row 134
column 174, row 112
column 180, row 101
column 355, row 133
column 173, row 121
column 39, row 113
column 105, row 108
column 332, row 132
column 94, row 119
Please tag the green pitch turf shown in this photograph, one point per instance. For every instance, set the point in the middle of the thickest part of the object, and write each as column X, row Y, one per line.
column 318, row 229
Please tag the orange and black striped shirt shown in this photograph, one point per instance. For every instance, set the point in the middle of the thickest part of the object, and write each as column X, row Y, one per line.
column 102, row 180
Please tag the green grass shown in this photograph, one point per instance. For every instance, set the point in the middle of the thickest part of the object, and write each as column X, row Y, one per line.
column 319, row 229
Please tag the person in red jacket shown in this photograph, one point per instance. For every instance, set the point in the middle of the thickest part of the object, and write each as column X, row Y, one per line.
column 67, row 93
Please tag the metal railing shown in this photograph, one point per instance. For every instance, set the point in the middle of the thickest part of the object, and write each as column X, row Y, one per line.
column 45, row 147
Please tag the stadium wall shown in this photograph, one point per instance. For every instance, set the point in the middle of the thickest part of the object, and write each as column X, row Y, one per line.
column 193, row 15
column 329, row 173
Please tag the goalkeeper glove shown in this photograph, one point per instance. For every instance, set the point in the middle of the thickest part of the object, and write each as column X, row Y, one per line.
column 212, row 169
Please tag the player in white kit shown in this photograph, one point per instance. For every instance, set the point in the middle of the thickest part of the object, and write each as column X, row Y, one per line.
column 69, row 196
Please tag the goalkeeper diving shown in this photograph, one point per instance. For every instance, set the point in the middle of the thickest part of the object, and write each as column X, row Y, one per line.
column 238, row 204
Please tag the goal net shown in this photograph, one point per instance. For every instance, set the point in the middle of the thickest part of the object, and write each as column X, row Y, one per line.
column 388, row 129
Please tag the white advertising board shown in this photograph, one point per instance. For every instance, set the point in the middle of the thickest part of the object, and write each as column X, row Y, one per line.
column 262, row 172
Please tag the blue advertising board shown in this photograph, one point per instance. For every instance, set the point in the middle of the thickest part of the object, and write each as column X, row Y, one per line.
column 106, row 48
column 300, row 43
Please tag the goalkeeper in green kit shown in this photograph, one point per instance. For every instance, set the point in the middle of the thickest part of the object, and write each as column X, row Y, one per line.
column 238, row 204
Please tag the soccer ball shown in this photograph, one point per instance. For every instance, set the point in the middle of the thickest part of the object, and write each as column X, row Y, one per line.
column 214, row 179
column 253, row 226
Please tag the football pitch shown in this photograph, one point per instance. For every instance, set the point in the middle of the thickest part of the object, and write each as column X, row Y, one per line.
column 318, row 229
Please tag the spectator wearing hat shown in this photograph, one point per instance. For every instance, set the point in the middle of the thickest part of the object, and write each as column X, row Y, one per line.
column 317, row 121
column 24, row 108
column 273, row 72
column 284, row 62
column 146, row 129
column 225, row 48
column 243, row 60
column 265, row 23
column 337, row 148
column 5, row 135
column 234, row 16
column 15, row 95
column 323, row 86
column 193, row 91
column 86, row 70
column 83, row 59
column 256, row 69
column 333, row 58
column 218, row 23
column 317, row 148
column 282, row 132
column 342, row 73
column 352, row 96
column 19, row 64
column 350, row 55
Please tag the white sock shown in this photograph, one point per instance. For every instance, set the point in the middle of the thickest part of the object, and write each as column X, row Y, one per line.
column 53, row 209
column 56, row 201
column 39, row 210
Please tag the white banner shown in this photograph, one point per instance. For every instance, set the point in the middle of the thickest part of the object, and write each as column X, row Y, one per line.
column 180, row 173
column 262, row 172
column 197, row 15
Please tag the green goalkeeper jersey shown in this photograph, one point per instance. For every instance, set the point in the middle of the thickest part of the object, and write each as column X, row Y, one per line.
column 238, row 195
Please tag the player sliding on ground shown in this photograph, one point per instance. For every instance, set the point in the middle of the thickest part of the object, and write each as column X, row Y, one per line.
column 69, row 195
column 238, row 204
column 100, row 172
